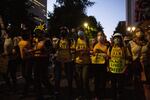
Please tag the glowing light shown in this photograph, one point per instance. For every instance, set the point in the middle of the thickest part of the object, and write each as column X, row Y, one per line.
column 85, row 24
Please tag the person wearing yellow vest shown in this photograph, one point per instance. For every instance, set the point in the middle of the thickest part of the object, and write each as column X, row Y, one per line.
column 41, row 53
column 64, row 62
column 118, row 58
column 147, row 56
column 82, row 61
column 139, row 48
column 26, row 68
column 99, row 59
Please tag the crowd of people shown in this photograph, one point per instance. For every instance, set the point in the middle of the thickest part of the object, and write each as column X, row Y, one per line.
column 117, row 62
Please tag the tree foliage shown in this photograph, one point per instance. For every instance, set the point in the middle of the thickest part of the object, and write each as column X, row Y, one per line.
column 121, row 28
column 72, row 14
column 93, row 25
column 77, row 4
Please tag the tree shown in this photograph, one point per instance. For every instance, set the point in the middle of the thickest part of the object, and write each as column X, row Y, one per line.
column 70, row 13
column 65, row 17
column 121, row 28
column 93, row 26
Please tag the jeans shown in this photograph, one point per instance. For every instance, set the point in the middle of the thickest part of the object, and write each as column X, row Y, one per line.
column 82, row 79
column 68, row 68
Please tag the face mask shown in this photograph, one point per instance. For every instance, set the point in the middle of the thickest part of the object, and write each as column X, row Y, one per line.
column 117, row 40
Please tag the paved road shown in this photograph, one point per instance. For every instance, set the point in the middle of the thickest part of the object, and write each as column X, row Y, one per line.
column 142, row 92
column 129, row 92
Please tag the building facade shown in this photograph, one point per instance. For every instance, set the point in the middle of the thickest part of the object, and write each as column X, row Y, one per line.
column 137, row 11
column 38, row 10
column 130, row 12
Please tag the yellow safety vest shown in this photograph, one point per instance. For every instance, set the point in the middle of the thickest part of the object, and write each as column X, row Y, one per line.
column 99, row 55
column 82, row 55
column 117, row 60
column 64, row 54
column 98, row 58
column 39, row 46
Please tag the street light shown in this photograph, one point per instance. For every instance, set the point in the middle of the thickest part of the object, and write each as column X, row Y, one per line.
column 128, row 29
column 86, row 28
column 131, row 28
column 86, row 25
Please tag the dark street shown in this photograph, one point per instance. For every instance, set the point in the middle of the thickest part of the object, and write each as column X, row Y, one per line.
column 129, row 92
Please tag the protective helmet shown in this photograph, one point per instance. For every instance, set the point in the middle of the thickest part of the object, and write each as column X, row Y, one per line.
column 117, row 35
